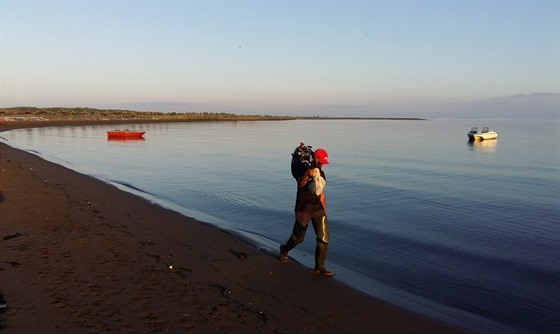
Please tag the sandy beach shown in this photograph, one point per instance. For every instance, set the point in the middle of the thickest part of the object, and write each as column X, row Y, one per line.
column 78, row 255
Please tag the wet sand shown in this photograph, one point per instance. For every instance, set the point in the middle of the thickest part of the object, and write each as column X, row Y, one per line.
column 78, row 255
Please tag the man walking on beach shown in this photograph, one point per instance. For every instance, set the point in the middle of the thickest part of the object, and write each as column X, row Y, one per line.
column 310, row 206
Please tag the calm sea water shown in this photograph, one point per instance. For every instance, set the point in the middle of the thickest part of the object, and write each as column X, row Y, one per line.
column 467, row 233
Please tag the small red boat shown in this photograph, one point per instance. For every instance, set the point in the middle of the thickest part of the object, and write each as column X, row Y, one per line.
column 125, row 134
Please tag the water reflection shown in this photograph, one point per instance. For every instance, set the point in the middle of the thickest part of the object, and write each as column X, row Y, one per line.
column 125, row 139
column 483, row 146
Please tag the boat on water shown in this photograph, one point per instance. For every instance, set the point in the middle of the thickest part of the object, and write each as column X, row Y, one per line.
column 125, row 134
column 485, row 134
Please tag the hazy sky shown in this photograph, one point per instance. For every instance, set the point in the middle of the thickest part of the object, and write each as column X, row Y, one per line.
column 274, row 55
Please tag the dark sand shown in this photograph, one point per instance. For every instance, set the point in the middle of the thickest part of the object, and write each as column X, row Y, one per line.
column 78, row 255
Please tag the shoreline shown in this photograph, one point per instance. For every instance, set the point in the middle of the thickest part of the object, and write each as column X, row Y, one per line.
column 79, row 255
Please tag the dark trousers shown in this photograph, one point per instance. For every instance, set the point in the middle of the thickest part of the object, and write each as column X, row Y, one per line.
column 321, row 227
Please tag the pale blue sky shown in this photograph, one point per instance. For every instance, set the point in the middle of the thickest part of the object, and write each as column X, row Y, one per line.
column 275, row 56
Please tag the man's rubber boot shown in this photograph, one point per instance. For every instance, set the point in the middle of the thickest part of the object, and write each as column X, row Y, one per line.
column 298, row 234
column 320, row 256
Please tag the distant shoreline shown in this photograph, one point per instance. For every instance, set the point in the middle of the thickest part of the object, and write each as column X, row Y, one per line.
column 327, row 118
column 18, row 117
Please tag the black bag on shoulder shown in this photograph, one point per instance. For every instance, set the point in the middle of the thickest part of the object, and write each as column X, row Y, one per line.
column 303, row 159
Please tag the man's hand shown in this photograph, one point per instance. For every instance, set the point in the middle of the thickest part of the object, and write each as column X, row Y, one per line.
column 312, row 172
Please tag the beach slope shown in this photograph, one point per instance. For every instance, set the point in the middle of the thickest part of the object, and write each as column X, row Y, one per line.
column 78, row 255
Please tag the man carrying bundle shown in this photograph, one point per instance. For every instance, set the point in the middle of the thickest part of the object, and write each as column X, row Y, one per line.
column 310, row 204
